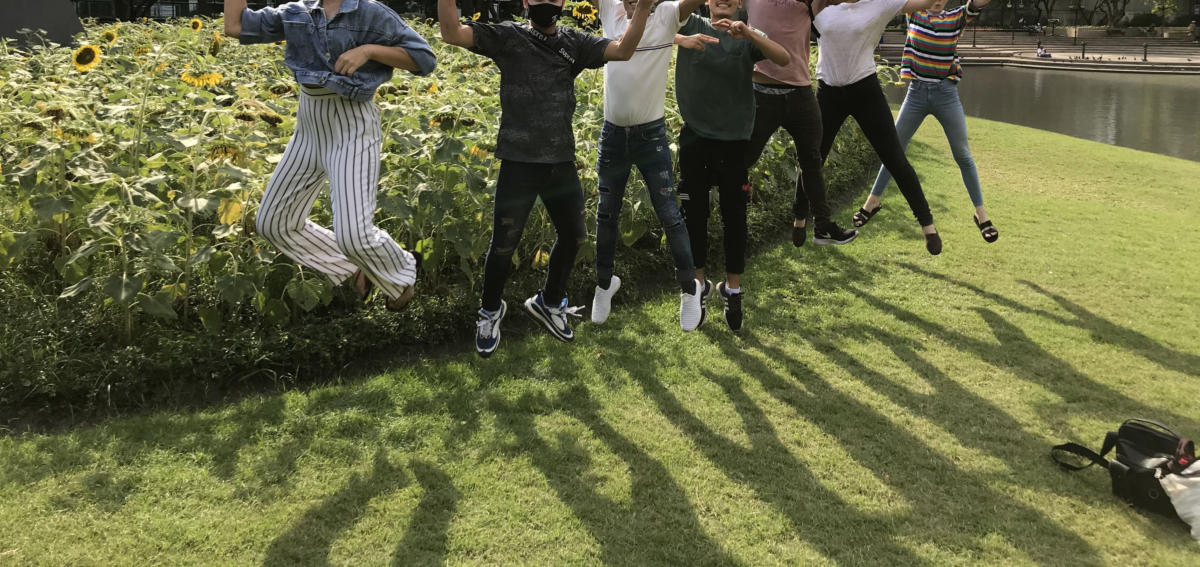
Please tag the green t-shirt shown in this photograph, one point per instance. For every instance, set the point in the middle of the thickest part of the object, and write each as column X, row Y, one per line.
column 715, row 87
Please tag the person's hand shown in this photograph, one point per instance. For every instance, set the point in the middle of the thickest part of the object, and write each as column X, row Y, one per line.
column 737, row 30
column 697, row 41
column 350, row 61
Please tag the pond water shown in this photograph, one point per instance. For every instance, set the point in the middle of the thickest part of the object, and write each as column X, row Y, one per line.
column 1154, row 113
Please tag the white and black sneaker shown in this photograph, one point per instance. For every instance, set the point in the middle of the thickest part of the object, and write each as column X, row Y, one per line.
column 690, row 308
column 602, row 301
column 831, row 233
column 704, row 293
column 733, row 307
column 553, row 318
column 487, row 333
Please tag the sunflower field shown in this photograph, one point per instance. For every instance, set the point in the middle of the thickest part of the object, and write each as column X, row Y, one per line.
column 132, row 167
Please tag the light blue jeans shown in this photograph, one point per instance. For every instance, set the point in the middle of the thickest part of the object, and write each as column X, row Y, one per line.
column 940, row 100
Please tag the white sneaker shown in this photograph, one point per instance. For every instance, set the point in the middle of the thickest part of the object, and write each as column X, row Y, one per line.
column 602, row 302
column 689, row 308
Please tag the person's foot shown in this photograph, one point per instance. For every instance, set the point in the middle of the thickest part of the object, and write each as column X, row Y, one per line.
column 487, row 332
column 799, row 233
column 690, row 307
column 553, row 318
column 602, row 301
column 399, row 303
column 704, row 294
column 831, row 233
column 733, row 307
column 933, row 241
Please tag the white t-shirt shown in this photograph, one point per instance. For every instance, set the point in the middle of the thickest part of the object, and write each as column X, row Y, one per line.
column 849, row 34
column 635, row 91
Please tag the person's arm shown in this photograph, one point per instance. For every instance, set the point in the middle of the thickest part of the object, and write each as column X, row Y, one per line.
column 454, row 32
column 624, row 48
column 913, row 6
column 695, row 42
column 401, row 48
column 686, row 7
column 741, row 30
column 252, row 26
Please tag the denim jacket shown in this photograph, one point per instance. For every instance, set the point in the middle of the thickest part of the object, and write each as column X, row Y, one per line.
column 314, row 44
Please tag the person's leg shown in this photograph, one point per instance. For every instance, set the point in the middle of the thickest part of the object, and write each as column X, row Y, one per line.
column 652, row 155
column 948, row 110
column 694, row 184
column 734, row 192
column 353, row 167
column 562, row 194
column 768, row 117
column 516, row 192
column 612, row 167
column 283, row 214
column 834, row 112
column 912, row 113
column 803, row 122
column 874, row 117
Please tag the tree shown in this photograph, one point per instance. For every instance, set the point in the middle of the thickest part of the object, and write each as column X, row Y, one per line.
column 1113, row 10
column 1082, row 13
column 1046, row 6
column 1166, row 9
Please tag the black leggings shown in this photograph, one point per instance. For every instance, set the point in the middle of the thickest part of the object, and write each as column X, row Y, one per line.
column 704, row 162
column 866, row 102
column 798, row 113
column 517, row 189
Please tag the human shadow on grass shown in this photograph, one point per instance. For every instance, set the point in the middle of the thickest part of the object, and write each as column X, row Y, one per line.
column 1101, row 329
column 310, row 539
column 424, row 541
column 907, row 465
column 658, row 527
column 1015, row 352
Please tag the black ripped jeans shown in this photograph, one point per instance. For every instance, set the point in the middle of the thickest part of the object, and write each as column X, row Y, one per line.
column 866, row 102
column 517, row 189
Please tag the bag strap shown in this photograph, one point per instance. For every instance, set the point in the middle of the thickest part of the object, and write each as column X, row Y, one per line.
column 1153, row 424
column 1080, row 450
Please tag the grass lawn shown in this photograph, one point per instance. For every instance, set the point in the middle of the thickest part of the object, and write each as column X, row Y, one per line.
column 882, row 407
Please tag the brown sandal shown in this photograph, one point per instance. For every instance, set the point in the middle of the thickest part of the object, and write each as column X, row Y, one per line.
column 368, row 285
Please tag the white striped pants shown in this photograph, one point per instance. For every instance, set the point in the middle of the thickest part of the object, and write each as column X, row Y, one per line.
column 339, row 139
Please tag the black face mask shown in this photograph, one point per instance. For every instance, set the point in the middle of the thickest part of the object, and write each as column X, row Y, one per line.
column 545, row 14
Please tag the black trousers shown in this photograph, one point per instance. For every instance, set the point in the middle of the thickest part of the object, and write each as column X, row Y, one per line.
column 705, row 162
column 799, row 114
column 517, row 189
column 866, row 102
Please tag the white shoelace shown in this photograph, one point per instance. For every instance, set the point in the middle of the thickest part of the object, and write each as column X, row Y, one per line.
column 487, row 325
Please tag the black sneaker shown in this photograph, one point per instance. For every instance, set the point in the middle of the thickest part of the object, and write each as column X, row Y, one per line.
column 704, row 293
column 799, row 235
column 733, row 307
column 831, row 233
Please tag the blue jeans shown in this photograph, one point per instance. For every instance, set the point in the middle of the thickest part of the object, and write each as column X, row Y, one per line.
column 647, row 147
column 940, row 100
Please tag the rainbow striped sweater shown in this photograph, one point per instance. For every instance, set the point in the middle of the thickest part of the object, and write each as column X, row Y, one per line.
column 931, row 49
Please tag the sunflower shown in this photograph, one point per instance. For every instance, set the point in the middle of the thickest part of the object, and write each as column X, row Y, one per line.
column 55, row 113
column 475, row 18
column 77, row 132
column 584, row 11
column 244, row 116
column 224, row 149
column 271, row 118
column 141, row 51
column 161, row 67
column 195, row 24
column 433, row 88
column 209, row 79
column 280, row 89
column 109, row 36
column 215, row 47
column 86, row 58
column 478, row 152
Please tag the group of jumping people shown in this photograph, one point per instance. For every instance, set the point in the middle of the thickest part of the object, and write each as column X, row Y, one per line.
column 736, row 84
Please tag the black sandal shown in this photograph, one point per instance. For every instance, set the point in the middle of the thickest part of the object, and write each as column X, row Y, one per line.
column 987, row 230
column 863, row 216
column 933, row 243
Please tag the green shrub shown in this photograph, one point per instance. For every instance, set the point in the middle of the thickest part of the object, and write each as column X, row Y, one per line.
column 128, row 264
